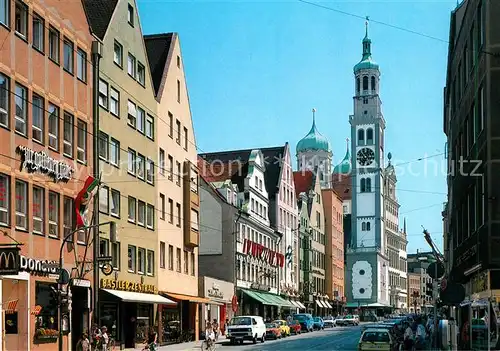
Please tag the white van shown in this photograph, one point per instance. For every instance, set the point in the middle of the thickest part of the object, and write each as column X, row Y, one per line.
column 243, row 328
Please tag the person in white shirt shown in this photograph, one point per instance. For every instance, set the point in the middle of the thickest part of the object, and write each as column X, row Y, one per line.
column 420, row 336
column 408, row 338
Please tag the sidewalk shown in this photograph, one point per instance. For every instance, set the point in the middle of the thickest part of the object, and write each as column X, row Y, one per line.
column 185, row 346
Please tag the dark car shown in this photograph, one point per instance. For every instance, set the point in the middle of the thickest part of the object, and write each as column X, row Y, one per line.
column 318, row 323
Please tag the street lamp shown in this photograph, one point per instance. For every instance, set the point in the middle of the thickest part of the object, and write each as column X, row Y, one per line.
column 61, row 279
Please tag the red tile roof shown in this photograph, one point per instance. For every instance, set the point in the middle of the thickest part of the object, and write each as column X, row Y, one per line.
column 303, row 181
column 217, row 171
column 342, row 184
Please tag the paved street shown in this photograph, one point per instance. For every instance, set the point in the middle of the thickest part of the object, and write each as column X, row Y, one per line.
column 340, row 338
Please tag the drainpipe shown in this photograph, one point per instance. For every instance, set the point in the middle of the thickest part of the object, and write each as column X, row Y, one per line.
column 96, row 57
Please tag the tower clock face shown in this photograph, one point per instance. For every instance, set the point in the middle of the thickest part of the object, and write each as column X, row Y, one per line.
column 366, row 156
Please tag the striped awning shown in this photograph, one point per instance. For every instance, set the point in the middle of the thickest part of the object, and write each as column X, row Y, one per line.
column 327, row 304
column 10, row 306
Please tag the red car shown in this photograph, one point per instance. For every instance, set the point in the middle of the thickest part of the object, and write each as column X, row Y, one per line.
column 273, row 331
column 295, row 327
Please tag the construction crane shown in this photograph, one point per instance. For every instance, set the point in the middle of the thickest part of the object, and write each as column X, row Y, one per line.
column 435, row 251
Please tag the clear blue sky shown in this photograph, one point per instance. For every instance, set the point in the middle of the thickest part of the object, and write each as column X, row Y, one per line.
column 255, row 69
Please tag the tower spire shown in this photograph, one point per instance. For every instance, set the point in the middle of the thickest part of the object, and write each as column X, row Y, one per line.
column 314, row 117
column 347, row 144
column 404, row 225
column 367, row 43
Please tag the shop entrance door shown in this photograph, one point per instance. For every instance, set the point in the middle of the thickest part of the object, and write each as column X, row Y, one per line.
column 79, row 314
column 129, row 323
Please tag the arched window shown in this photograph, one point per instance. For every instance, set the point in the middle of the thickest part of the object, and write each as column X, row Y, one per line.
column 363, row 226
column 368, row 226
column 373, row 83
column 368, row 185
column 361, row 136
column 365, row 83
column 357, row 85
column 369, row 136
column 363, row 185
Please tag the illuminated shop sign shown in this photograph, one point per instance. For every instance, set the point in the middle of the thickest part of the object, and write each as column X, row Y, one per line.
column 40, row 162
column 125, row 285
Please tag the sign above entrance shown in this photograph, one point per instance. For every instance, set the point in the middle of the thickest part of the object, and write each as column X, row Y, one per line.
column 127, row 286
column 263, row 253
column 215, row 292
column 261, row 287
column 9, row 260
column 38, row 267
column 40, row 162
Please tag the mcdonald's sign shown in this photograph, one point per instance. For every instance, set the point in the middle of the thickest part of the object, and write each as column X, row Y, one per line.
column 9, row 260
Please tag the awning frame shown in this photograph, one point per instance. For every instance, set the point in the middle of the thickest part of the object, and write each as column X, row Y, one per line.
column 128, row 296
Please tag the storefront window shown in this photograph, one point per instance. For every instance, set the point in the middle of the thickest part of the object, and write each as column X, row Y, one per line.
column 109, row 318
column 171, row 323
column 46, row 323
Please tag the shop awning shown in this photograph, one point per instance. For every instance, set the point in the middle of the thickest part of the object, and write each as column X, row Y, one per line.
column 319, row 304
column 327, row 304
column 301, row 305
column 129, row 296
column 282, row 302
column 295, row 303
column 190, row 298
column 257, row 296
column 354, row 305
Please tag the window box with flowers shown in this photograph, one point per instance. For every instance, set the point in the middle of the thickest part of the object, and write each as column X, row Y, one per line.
column 43, row 336
column 46, row 323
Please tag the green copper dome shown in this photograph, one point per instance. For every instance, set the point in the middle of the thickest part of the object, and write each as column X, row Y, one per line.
column 366, row 61
column 313, row 140
column 344, row 167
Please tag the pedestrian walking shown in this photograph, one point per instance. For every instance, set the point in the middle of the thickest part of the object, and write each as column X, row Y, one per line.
column 215, row 327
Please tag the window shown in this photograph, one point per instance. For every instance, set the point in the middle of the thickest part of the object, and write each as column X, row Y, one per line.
column 22, row 19
column 481, row 110
column 130, row 15
column 54, row 44
column 178, row 125
column 150, row 171
column 21, row 100
column 162, row 254
column 68, row 58
column 132, row 114
column 150, row 216
column 365, row 83
column 368, row 185
column 161, row 162
column 38, row 32
column 369, row 136
column 114, row 152
column 179, row 172
column 185, row 138
column 38, row 210
column 131, row 65
column 368, row 226
column 103, row 94
column 103, row 146
column 141, row 164
column 115, row 254
column 54, row 127
column 114, row 102
column 363, row 185
column 193, row 266
column 141, row 119
column 81, row 65
column 141, row 73
column 114, row 204
column 4, row 199
column 171, row 125
column 131, row 258
column 178, row 91
column 178, row 61
column 5, row 12
column 171, row 210
column 170, row 167
column 170, row 257
column 131, row 161
column 4, row 99
column 318, row 219
column 48, row 317
column 68, row 134
column 104, row 199
column 194, row 220
column 68, row 217
column 361, row 136
column 141, row 261
column 178, row 260
column 21, row 205
column 150, row 127
column 194, row 181
column 38, row 123
column 81, row 141
column 53, row 214
column 118, row 54
column 150, row 262
column 162, row 204
column 178, row 205
column 141, row 213
column 373, row 83
column 186, row 264
column 131, row 209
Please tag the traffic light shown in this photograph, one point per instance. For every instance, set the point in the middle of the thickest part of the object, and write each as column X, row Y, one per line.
column 429, row 291
column 65, row 302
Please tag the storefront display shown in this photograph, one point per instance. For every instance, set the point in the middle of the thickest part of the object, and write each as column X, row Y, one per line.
column 47, row 323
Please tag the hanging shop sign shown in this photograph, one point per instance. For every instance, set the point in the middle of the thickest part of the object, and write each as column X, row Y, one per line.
column 41, row 162
column 38, row 267
column 125, row 285
column 261, row 252
column 215, row 292
column 261, row 287
column 9, row 260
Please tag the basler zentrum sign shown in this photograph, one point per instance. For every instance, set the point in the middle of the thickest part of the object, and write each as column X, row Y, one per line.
column 9, row 260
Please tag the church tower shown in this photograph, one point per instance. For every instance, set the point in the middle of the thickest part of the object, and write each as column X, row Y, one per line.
column 314, row 154
column 367, row 264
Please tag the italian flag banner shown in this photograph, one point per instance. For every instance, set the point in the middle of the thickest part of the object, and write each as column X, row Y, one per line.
column 82, row 201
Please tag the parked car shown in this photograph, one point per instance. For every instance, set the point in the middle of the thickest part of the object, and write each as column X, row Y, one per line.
column 318, row 323
column 295, row 327
column 246, row 328
column 306, row 321
column 348, row 320
column 283, row 325
column 377, row 339
column 329, row 322
column 273, row 331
